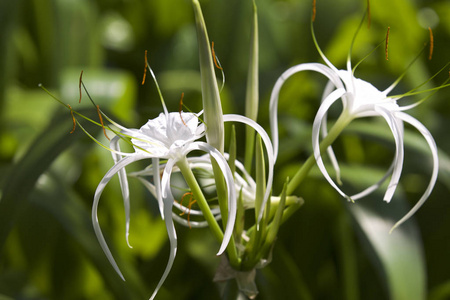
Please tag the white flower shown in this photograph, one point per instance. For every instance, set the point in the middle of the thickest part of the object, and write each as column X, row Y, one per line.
column 359, row 99
column 244, row 183
column 170, row 136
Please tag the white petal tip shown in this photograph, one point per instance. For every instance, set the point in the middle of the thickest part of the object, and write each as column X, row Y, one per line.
column 389, row 193
column 128, row 242
column 349, row 199
column 221, row 250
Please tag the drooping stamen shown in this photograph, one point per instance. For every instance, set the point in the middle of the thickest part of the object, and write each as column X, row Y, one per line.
column 368, row 14
column 73, row 119
column 73, row 112
column 145, row 68
column 181, row 108
column 166, row 112
column 101, row 122
column 313, row 18
column 431, row 43
column 189, row 207
column 79, row 84
column 214, row 56
column 386, row 53
column 218, row 65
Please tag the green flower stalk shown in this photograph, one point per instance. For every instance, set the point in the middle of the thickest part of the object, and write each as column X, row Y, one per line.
column 212, row 106
column 252, row 92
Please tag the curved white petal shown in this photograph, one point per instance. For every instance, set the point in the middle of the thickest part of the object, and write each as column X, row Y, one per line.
column 223, row 164
column 396, row 127
column 192, row 224
column 324, row 107
column 328, row 89
column 114, row 144
column 269, row 149
column 157, row 184
column 152, row 188
column 101, row 186
column 320, row 68
column 168, row 203
column 375, row 186
column 434, row 153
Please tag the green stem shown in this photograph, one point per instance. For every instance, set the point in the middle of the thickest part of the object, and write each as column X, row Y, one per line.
column 207, row 214
column 252, row 92
column 198, row 195
column 222, row 196
column 343, row 120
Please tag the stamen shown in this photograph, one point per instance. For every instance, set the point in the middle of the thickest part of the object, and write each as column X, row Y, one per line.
column 431, row 43
column 313, row 18
column 214, row 56
column 191, row 202
column 145, row 68
column 73, row 118
column 181, row 108
column 79, row 84
column 218, row 65
column 101, row 122
column 387, row 44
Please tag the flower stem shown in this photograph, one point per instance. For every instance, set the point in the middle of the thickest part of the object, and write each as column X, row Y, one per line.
column 342, row 122
column 198, row 195
column 204, row 207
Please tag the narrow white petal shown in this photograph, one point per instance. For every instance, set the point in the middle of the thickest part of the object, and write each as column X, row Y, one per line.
column 375, row 186
column 396, row 127
column 320, row 68
column 193, row 161
column 269, row 149
column 101, row 186
column 192, row 224
column 168, row 203
column 223, row 164
column 434, row 153
column 328, row 89
column 324, row 107
column 157, row 184
column 114, row 144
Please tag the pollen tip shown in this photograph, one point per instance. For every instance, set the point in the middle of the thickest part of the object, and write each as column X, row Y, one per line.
column 214, row 56
column 145, row 67
column 313, row 18
column 430, row 56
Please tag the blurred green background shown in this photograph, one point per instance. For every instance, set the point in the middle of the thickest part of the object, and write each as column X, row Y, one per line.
column 329, row 249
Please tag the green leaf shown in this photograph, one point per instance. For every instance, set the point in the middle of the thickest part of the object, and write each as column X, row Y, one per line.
column 24, row 174
column 399, row 253
column 73, row 216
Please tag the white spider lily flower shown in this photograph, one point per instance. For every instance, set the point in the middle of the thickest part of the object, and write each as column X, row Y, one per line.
column 359, row 99
column 170, row 136
column 245, row 182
